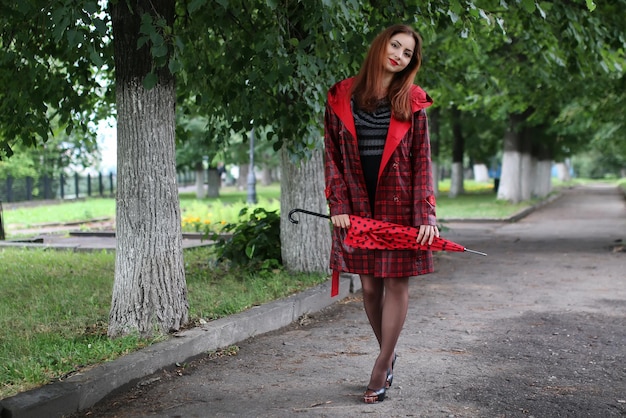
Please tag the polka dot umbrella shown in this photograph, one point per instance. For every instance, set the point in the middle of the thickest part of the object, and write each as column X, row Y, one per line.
column 372, row 234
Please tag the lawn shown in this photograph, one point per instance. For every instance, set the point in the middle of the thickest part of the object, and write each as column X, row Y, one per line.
column 54, row 308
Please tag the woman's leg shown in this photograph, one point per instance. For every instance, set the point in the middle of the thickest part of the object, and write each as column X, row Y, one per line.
column 373, row 293
column 394, row 305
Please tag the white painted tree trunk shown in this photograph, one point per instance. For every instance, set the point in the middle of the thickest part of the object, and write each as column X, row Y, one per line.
column 562, row 171
column 481, row 173
column 306, row 245
column 213, row 182
column 543, row 183
column 200, row 191
column 510, row 187
column 149, row 292
column 527, row 176
column 456, row 180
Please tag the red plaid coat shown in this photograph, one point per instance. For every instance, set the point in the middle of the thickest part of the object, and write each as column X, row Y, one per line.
column 405, row 186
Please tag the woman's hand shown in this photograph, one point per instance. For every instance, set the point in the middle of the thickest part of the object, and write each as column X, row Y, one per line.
column 341, row 221
column 427, row 234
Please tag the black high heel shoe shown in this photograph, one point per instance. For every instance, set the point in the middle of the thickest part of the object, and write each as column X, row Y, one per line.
column 390, row 371
column 376, row 396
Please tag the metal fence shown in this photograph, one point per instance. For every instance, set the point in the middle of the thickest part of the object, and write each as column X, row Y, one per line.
column 63, row 186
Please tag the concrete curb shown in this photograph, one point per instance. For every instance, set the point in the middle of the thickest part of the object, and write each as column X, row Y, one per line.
column 85, row 389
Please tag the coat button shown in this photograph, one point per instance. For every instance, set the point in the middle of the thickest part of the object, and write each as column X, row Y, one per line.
column 396, row 199
column 395, row 165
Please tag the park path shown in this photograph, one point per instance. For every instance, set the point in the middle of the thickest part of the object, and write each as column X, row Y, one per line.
column 535, row 329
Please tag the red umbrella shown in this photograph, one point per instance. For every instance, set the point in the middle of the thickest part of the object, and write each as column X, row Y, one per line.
column 372, row 234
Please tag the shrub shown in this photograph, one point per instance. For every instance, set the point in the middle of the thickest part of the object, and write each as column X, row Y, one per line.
column 255, row 240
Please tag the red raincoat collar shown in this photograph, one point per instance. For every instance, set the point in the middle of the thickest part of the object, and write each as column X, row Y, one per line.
column 339, row 101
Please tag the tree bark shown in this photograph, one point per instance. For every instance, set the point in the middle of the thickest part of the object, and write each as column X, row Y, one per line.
column 481, row 173
column 434, row 146
column 543, row 184
column 149, row 292
column 200, row 191
column 528, row 163
column 213, row 182
column 306, row 245
column 458, row 151
column 510, row 185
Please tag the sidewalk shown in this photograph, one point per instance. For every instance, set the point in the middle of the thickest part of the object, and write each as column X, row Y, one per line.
column 537, row 328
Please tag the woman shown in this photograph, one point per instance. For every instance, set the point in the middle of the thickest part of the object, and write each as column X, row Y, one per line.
column 377, row 165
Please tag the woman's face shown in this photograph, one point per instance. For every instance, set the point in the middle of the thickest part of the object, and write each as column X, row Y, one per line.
column 399, row 52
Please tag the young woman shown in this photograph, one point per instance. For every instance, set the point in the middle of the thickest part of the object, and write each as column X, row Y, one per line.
column 377, row 165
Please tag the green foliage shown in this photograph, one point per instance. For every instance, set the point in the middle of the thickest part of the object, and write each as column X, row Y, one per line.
column 55, row 305
column 54, row 55
column 255, row 240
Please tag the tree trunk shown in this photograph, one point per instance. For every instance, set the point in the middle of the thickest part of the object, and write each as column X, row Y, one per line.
column 200, row 191
column 213, row 182
column 562, row 171
column 528, row 163
column 434, row 146
column 481, row 173
column 543, row 185
column 458, row 151
column 510, row 185
column 306, row 245
column 149, row 292
column 543, row 182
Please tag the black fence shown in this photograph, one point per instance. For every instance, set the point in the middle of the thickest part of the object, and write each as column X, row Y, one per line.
column 63, row 186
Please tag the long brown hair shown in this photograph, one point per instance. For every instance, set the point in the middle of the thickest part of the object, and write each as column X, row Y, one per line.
column 367, row 86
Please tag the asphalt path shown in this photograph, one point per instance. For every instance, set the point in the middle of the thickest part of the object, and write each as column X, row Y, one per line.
column 535, row 329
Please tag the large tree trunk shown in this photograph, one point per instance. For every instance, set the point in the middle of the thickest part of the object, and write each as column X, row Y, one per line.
column 458, row 151
column 149, row 293
column 306, row 245
column 510, row 184
column 543, row 183
column 527, row 164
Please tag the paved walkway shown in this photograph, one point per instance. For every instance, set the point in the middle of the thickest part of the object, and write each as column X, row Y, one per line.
column 536, row 329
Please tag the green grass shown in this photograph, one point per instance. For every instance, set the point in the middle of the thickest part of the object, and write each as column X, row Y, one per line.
column 54, row 308
column 221, row 210
column 60, row 212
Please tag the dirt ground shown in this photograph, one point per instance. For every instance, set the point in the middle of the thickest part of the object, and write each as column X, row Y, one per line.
column 535, row 329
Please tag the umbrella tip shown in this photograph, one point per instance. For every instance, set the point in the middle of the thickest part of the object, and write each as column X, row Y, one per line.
column 475, row 252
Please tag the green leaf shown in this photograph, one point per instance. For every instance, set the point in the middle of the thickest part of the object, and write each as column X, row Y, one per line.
column 149, row 81
column 528, row 5
column 195, row 5
column 250, row 251
column 91, row 7
column 591, row 5
column 159, row 50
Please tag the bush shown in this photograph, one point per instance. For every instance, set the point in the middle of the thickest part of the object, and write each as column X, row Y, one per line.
column 255, row 241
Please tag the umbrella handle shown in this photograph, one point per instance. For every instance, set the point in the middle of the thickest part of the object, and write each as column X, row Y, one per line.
column 295, row 221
